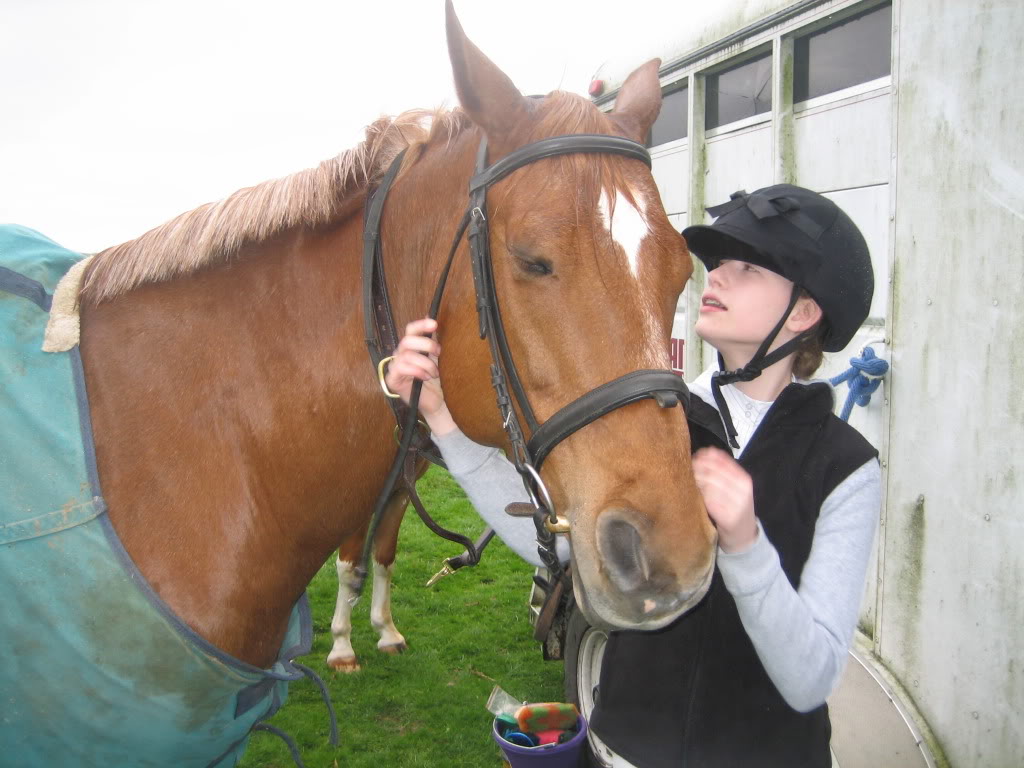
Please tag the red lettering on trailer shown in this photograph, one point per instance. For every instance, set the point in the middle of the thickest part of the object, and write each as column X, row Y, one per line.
column 677, row 355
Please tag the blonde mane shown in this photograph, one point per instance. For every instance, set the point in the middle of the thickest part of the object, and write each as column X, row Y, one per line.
column 213, row 232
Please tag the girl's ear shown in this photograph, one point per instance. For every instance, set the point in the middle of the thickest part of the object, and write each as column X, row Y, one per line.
column 806, row 314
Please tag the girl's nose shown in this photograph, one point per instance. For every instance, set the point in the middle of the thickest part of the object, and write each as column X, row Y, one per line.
column 716, row 276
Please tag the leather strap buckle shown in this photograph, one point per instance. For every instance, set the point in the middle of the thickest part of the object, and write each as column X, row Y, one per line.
column 380, row 377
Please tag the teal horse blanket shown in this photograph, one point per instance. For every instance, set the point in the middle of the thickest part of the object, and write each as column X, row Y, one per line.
column 97, row 670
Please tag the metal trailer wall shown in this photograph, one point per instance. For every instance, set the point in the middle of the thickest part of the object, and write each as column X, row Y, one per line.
column 929, row 163
column 951, row 623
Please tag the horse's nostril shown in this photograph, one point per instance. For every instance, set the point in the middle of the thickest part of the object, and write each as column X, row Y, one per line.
column 623, row 554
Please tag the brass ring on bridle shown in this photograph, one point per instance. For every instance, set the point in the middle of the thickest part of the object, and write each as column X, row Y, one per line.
column 397, row 433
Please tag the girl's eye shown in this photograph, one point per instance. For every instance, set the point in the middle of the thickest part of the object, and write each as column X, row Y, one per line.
column 749, row 267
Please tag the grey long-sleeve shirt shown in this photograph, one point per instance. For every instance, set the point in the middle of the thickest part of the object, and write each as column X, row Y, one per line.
column 801, row 636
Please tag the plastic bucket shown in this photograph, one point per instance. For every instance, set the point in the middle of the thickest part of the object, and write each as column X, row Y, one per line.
column 565, row 755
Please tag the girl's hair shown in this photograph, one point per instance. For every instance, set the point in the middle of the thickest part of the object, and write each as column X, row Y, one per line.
column 809, row 355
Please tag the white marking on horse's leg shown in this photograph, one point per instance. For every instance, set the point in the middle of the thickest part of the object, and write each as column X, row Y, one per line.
column 627, row 225
column 391, row 640
column 342, row 657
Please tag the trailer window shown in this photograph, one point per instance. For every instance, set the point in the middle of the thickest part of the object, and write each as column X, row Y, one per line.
column 855, row 50
column 739, row 92
column 671, row 122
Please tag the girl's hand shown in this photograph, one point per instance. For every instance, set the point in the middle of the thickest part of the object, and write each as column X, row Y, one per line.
column 416, row 358
column 728, row 493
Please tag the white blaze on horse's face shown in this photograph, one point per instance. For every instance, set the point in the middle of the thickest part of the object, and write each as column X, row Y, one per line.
column 627, row 225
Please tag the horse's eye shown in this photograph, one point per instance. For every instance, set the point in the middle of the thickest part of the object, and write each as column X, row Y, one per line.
column 538, row 267
column 530, row 262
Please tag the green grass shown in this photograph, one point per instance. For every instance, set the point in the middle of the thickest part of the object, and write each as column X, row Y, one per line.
column 427, row 706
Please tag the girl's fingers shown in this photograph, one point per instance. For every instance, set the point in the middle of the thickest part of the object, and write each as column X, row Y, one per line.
column 416, row 358
column 417, row 365
column 724, row 484
column 420, row 327
column 712, row 457
column 419, row 344
column 712, row 462
column 405, row 373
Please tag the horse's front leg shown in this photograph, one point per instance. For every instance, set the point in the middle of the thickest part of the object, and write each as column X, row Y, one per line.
column 385, row 545
column 391, row 640
column 342, row 657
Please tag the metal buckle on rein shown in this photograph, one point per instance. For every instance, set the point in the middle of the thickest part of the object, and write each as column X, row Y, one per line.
column 397, row 431
column 554, row 522
column 380, row 377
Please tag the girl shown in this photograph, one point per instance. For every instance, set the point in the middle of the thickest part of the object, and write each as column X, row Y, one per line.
column 740, row 680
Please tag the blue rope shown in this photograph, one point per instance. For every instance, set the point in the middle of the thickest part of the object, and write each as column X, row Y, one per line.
column 288, row 740
column 326, row 697
column 863, row 377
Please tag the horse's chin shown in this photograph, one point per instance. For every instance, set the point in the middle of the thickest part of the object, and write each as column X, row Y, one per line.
column 646, row 615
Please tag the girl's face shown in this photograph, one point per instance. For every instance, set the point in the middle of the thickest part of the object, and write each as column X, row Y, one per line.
column 739, row 307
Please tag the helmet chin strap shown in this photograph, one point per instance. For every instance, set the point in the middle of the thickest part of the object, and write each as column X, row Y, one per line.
column 762, row 359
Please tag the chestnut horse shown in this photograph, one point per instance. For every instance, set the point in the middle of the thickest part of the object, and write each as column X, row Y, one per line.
column 237, row 422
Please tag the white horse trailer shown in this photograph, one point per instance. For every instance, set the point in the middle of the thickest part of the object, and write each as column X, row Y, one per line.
column 904, row 113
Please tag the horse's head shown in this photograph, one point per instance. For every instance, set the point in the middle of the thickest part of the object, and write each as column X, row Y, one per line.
column 587, row 269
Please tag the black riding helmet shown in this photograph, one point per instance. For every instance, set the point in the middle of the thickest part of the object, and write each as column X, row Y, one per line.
column 807, row 239
column 802, row 236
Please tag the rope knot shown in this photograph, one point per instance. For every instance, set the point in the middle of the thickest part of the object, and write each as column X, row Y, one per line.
column 862, row 377
column 869, row 364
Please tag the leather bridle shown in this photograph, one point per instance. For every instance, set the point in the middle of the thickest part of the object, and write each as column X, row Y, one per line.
column 665, row 387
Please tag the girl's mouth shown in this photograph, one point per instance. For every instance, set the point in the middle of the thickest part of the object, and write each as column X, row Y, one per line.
column 711, row 304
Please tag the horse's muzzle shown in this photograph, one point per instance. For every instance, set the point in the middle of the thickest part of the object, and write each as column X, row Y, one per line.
column 639, row 585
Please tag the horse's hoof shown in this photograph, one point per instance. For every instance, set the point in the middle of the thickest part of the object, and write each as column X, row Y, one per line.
column 394, row 649
column 347, row 665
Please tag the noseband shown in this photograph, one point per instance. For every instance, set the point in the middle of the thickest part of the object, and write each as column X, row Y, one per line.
column 665, row 387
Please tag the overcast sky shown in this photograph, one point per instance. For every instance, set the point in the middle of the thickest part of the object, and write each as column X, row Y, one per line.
column 119, row 114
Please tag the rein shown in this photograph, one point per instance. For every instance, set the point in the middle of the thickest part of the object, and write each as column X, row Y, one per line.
column 410, row 431
column 667, row 389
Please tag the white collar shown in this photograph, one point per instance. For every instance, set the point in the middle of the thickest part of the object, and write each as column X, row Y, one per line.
column 746, row 412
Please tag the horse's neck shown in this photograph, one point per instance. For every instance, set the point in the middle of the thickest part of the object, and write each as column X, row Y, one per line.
column 238, row 430
column 420, row 222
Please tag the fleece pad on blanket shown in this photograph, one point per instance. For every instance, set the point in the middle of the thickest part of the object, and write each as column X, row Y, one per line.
column 97, row 670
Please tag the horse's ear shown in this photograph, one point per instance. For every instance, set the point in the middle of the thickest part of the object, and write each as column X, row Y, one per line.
column 639, row 101
column 491, row 100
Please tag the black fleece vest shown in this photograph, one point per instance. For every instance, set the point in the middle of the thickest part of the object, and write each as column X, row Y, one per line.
column 695, row 693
